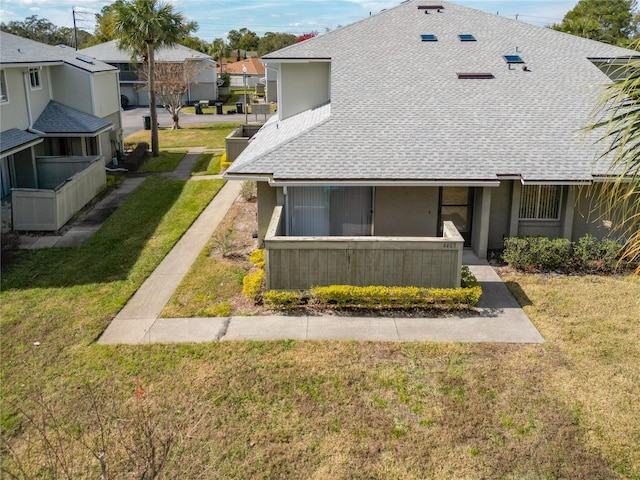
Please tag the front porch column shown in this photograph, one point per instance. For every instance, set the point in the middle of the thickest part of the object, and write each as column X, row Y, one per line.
column 480, row 236
column 515, row 208
column 567, row 220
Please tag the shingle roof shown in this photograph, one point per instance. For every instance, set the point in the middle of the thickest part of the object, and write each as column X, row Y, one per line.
column 254, row 66
column 399, row 111
column 14, row 138
column 58, row 118
column 18, row 50
column 109, row 52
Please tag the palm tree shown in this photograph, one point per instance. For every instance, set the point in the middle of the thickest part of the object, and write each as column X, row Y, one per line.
column 620, row 126
column 142, row 27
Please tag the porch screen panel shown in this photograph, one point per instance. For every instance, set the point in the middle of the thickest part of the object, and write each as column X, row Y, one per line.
column 309, row 211
column 351, row 211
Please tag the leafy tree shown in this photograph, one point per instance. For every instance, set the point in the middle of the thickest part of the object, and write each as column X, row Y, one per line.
column 620, row 126
column 610, row 21
column 171, row 83
column 142, row 27
column 42, row 30
column 271, row 42
column 105, row 25
column 194, row 43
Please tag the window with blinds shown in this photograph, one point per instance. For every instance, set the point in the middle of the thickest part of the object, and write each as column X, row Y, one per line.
column 330, row 211
column 540, row 202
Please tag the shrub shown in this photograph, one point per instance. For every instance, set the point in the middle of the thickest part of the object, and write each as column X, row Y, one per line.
column 282, row 299
column 394, row 297
column 252, row 284
column 543, row 254
column 597, row 255
column 223, row 162
column 538, row 253
column 257, row 258
column 248, row 190
column 468, row 279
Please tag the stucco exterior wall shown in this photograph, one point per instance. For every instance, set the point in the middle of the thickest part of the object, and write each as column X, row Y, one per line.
column 39, row 97
column 307, row 85
column 72, row 87
column 588, row 217
column 106, row 97
column 406, row 211
column 13, row 114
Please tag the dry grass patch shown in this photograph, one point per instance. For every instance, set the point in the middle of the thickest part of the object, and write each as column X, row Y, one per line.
column 213, row 285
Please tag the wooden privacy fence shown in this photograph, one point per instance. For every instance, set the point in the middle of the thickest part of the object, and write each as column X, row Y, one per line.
column 293, row 263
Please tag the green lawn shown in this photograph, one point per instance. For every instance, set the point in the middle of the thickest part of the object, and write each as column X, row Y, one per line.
column 166, row 162
column 207, row 164
column 290, row 409
column 208, row 135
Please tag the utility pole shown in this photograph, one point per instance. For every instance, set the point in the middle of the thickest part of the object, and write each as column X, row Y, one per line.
column 75, row 29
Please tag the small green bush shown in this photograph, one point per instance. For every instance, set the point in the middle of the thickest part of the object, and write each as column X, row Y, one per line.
column 468, row 279
column 394, row 297
column 282, row 299
column 257, row 258
column 252, row 284
column 537, row 253
column 540, row 254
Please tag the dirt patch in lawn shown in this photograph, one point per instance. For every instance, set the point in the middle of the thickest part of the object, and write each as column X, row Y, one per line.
column 213, row 286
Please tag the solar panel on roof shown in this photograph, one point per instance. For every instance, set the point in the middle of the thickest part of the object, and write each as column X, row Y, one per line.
column 429, row 38
column 467, row 37
column 513, row 59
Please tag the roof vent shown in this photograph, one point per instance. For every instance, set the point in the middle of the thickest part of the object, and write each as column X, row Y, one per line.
column 426, row 8
column 474, row 76
column 429, row 38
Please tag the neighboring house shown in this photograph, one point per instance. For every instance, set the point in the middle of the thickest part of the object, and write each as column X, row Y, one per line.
column 60, row 124
column 255, row 72
column 475, row 119
column 133, row 84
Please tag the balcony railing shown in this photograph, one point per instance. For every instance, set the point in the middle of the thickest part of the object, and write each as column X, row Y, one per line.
column 294, row 263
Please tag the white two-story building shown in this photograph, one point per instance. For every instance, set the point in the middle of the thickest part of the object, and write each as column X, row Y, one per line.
column 60, row 124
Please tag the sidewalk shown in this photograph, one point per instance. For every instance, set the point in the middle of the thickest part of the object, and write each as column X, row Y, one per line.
column 500, row 318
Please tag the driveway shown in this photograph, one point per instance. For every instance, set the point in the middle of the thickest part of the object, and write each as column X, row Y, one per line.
column 132, row 119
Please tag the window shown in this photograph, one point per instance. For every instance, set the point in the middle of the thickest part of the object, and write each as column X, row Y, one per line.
column 429, row 38
column 540, row 202
column 330, row 211
column 4, row 96
column 34, row 78
column 466, row 37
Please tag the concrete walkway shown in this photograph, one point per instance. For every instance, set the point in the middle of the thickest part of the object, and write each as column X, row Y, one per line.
column 499, row 317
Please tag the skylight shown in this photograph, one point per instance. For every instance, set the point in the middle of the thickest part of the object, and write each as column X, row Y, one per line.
column 429, row 38
column 513, row 59
column 466, row 37
column 475, row 76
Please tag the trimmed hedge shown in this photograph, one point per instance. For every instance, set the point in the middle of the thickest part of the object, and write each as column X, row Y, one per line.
column 541, row 254
column 257, row 258
column 252, row 284
column 376, row 297
column 223, row 162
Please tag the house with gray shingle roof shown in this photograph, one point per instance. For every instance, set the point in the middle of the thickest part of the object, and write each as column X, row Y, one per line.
column 60, row 124
column 200, row 67
column 379, row 167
